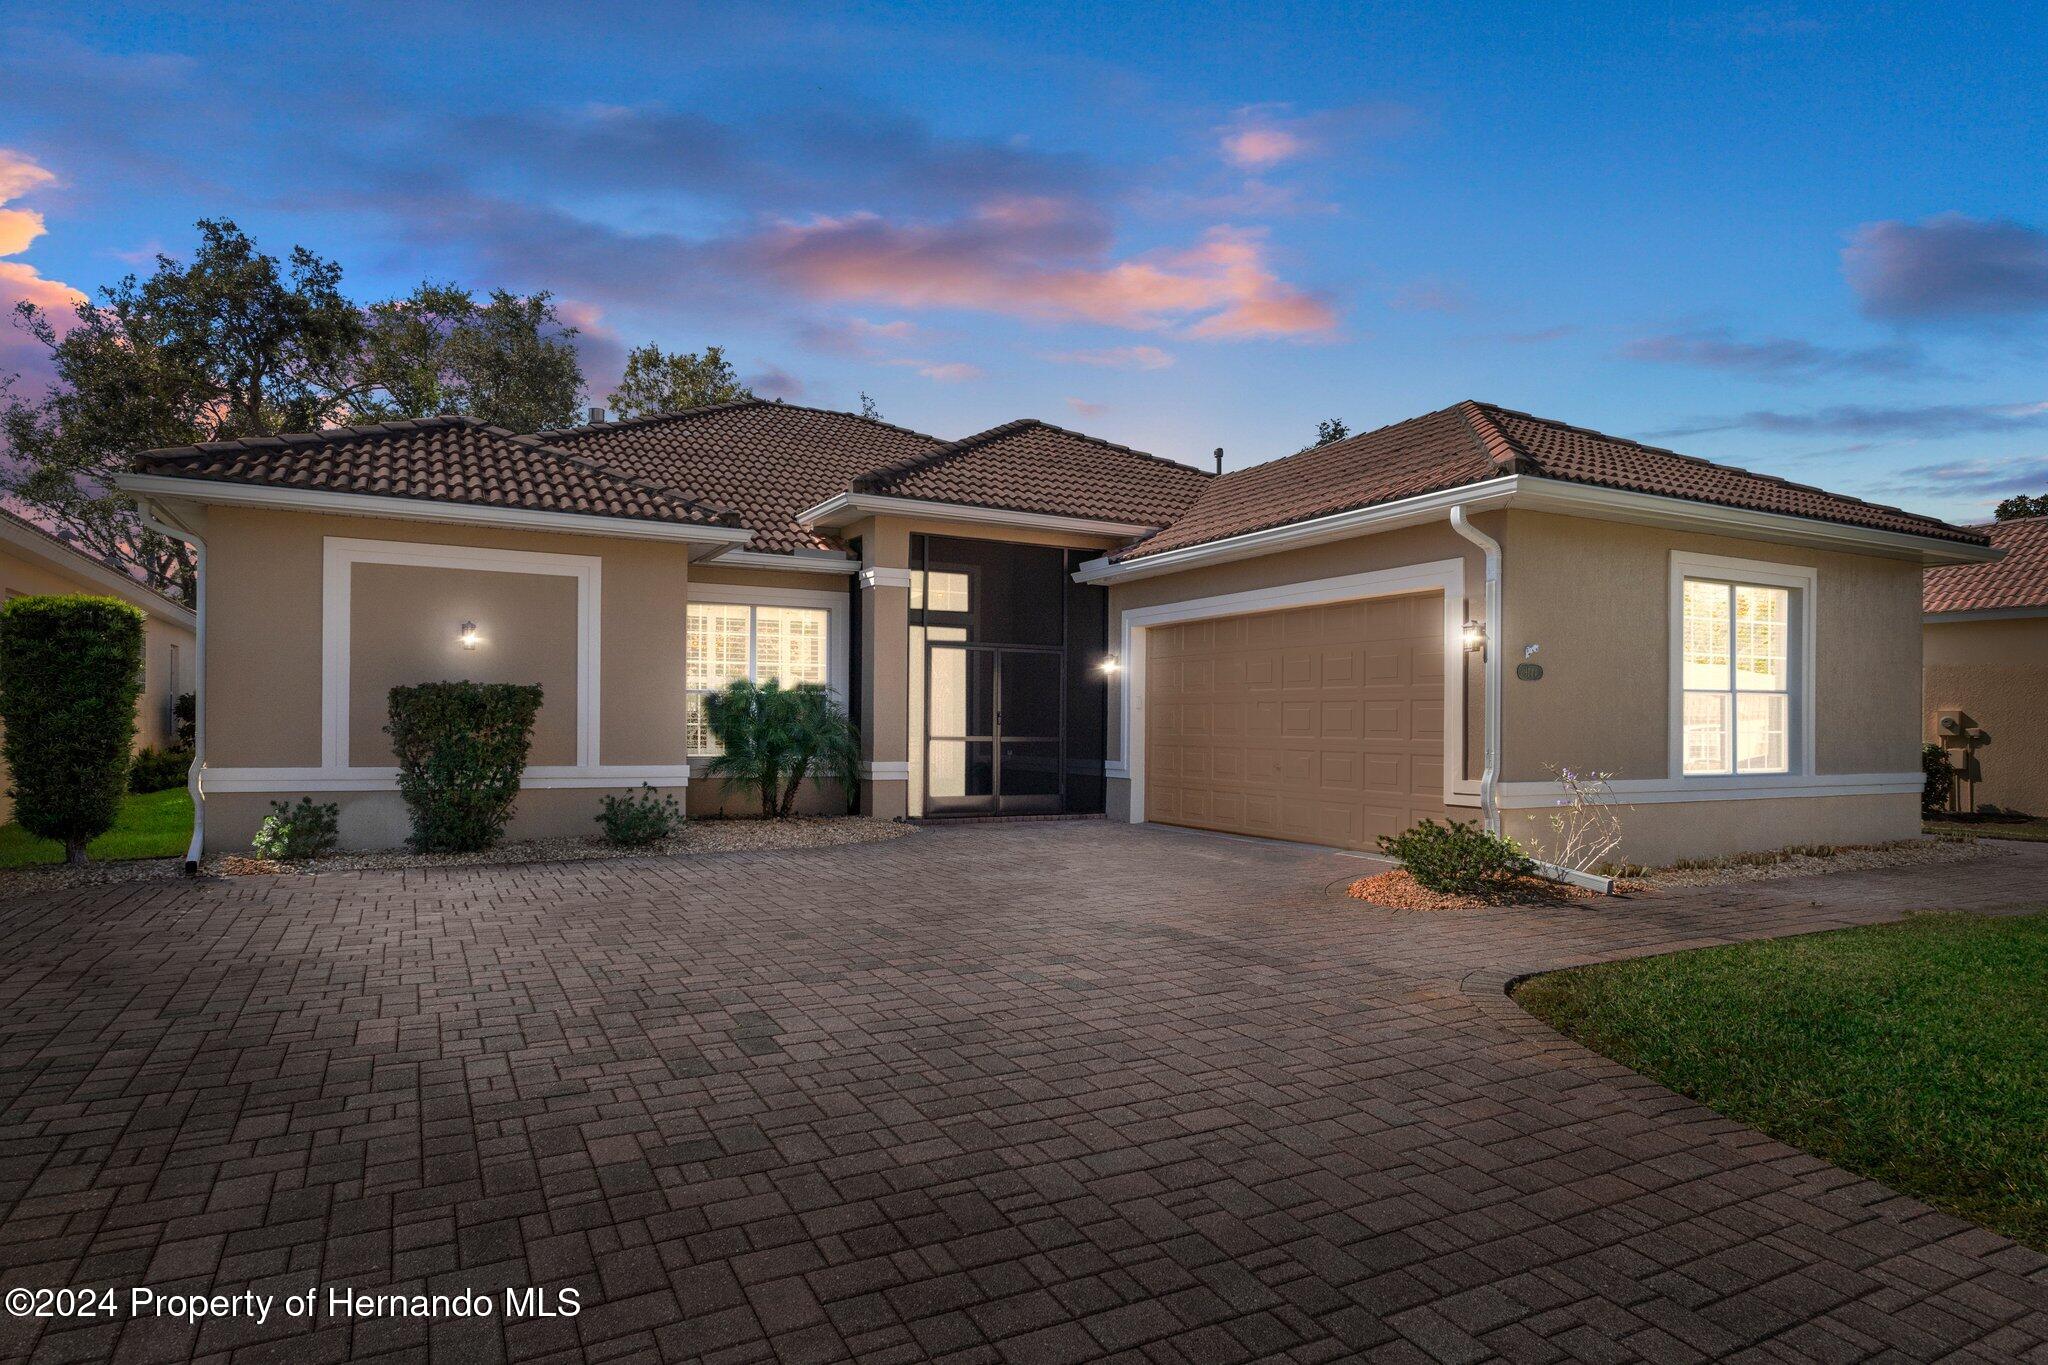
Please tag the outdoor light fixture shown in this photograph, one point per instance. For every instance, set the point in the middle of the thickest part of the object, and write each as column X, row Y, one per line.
column 467, row 634
column 1475, row 636
column 1110, row 665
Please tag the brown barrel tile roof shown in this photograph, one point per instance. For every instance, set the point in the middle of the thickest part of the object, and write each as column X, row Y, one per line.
column 437, row 459
column 1473, row 442
column 769, row 461
column 2018, row 580
column 1033, row 466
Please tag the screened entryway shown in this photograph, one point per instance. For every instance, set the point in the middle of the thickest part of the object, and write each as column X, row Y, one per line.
column 1007, row 695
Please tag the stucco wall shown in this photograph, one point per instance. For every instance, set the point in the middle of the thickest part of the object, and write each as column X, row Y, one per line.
column 1997, row 673
column 22, row 576
column 1595, row 595
column 1654, row 835
column 264, row 626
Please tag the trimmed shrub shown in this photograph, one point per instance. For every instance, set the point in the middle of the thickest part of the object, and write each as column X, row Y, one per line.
column 1939, row 779
column 774, row 736
column 70, row 671
column 291, row 833
column 1457, row 858
column 645, row 817
column 185, row 712
column 461, row 749
column 158, row 770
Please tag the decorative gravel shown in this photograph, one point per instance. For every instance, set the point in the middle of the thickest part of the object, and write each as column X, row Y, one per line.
column 698, row 837
column 29, row 881
column 1808, row 862
column 1397, row 890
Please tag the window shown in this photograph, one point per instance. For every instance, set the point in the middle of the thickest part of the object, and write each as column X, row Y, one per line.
column 765, row 643
column 1735, row 650
column 949, row 591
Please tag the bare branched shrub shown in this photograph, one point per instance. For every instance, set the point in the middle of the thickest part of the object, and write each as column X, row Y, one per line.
column 1585, row 823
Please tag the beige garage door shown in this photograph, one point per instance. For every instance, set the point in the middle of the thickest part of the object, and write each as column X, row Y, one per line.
column 1323, row 724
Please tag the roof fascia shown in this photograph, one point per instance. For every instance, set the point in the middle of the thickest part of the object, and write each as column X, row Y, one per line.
column 841, row 509
column 1944, row 618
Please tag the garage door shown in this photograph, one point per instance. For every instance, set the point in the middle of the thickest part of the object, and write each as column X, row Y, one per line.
column 1323, row 724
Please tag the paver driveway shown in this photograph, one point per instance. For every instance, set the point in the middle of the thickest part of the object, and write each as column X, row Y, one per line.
column 1036, row 1093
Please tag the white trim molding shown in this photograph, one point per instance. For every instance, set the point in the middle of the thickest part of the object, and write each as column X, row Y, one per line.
column 1655, row 791
column 1116, row 770
column 1803, row 582
column 292, row 781
column 883, row 576
column 714, row 538
column 1446, row 576
column 796, row 561
column 339, row 557
column 1547, row 495
column 886, row 772
column 844, row 508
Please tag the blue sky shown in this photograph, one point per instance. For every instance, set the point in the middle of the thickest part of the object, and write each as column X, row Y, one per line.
column 1807, row 239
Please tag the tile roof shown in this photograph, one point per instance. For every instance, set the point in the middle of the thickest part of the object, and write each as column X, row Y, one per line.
column 1033, row 466
column 436, row 459
column 1473, row 442
column 2018, row 580
column 769, row 461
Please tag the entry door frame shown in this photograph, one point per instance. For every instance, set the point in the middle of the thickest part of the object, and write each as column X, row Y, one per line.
column 997, row 801
column 1443, row 575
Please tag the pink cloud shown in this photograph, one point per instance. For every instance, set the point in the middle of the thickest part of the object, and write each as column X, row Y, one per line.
column 1039, row 258
column 1262, row 136
column 944, row 371
column 856, row 337
column 1086, row 408
column 1116, row 358
column 20, row 282
column 1255, row 149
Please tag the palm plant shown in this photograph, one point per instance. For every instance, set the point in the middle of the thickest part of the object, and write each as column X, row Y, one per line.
column 774, row 737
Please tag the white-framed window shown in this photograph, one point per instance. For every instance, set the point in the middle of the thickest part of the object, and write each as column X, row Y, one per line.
column 1741, row 667
column 947, row 591
column 760, row 640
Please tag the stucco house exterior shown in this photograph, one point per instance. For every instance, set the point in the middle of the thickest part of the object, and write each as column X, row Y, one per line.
column 34, row 562
column 1422, row 620
column 1985, row 650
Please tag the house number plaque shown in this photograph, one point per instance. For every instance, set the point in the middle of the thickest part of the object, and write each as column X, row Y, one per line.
column 1529, row 672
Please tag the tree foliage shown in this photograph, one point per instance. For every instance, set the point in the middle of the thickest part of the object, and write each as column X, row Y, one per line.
column 775, row 736
column 2023, row 505
column 233, row 342
column 1328, row 433
column 70, row 671
column 656, row 381
column 461, row 750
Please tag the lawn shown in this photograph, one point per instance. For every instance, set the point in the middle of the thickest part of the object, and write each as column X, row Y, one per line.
column 2034, row 831
column 1913, row 1053
column 158, row 825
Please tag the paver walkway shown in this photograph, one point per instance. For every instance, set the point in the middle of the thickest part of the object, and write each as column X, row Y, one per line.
column 1039, row 1093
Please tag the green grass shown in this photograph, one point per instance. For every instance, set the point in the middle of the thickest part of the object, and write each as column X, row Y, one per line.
column 1913, row 1053
column 2034, row 831
column 157, row 825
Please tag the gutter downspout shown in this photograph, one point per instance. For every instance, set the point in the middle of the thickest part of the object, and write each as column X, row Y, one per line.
column 153, row 519
column 1489, row 778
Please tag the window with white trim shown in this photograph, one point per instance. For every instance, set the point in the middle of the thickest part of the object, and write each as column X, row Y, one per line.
column 789, row 645
column 1735, row 652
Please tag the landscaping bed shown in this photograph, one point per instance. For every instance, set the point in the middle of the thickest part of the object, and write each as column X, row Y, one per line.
column 2003, row 825
column 1913, row 1053
column 1398, row 890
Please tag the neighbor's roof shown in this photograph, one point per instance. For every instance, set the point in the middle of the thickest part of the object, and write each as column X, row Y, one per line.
column 1473, row 442
column 768, row 461
column 66, row 555
column 436, row 459
column 2018, row 580
column 1033, row 466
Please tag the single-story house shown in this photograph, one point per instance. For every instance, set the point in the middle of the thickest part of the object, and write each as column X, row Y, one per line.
column 1429, row 619
column 33, row 562
column 1985, row 648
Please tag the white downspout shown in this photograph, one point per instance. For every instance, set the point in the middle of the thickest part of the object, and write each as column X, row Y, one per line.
column 1489, row 778
column 194, row 782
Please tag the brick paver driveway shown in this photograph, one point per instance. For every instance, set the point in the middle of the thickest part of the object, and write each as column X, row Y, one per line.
column 1036, row 1093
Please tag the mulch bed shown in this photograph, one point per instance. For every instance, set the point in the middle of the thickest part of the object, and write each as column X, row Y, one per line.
column 1397, row 890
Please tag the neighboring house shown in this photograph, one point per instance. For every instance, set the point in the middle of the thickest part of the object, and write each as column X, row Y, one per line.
column 1986, row 656
column 34, row 562
column 1031, row 620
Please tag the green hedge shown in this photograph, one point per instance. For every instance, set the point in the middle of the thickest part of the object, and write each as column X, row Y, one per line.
column 159, row 770
column 1456, row 858
column 70, row 671
column 461, row 749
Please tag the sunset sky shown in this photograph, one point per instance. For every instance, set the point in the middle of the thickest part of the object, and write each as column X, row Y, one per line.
column 1812, row 240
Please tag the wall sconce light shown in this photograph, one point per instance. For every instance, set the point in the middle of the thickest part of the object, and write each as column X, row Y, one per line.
column 467, row 635
column 1475, row 636
column 1110, row 666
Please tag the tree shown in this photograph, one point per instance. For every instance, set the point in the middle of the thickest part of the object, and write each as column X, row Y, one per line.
column 70, row 670
column 868, row 409
column 231, row 343
column 1328, row 433
column 2023, row 505
column 657, row 382
column 772, row 737
column 510, row 361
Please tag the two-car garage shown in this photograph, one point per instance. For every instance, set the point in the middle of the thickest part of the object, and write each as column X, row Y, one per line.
column 1323, row 723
